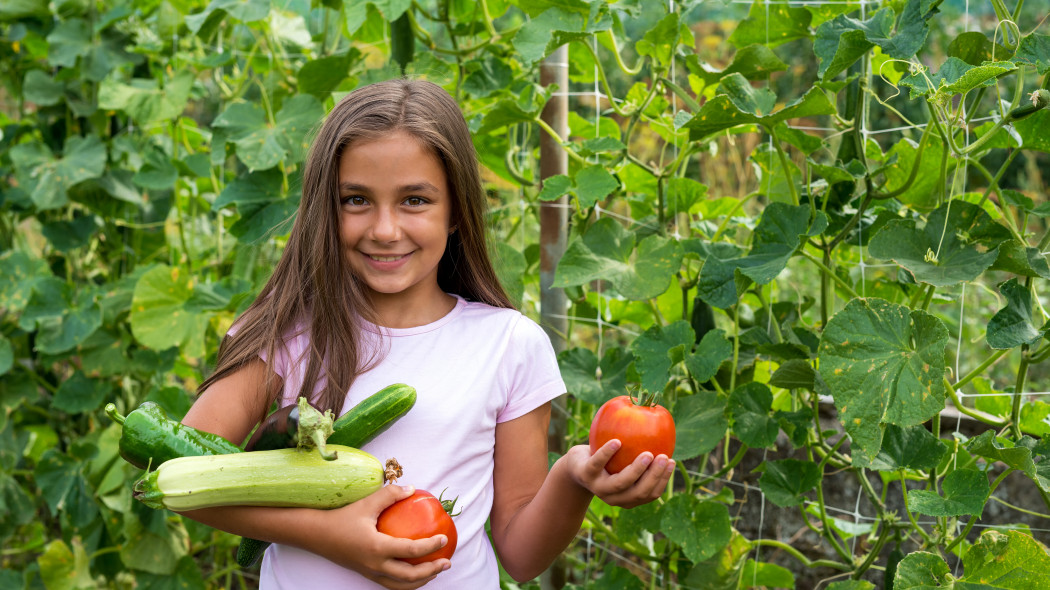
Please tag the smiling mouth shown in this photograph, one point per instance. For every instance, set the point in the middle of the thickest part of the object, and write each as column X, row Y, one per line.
column 391, row 258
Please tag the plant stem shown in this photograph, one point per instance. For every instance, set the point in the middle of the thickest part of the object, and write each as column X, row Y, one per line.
column 911, row 517
column 841, row 283
column 989, row 420
column 1019, row 383
column 802, row 558
column 784, row 164
column 980, row 369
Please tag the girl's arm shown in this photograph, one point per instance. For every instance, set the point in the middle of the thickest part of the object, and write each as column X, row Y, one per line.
column 536, row 514
column 347, row 536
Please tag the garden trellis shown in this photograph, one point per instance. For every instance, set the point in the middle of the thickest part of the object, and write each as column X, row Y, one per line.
column 777, row 244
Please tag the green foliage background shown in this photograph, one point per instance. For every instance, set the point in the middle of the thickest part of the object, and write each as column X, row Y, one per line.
column 749, row 270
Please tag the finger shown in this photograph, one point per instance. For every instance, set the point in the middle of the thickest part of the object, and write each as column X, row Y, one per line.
column 654, row 481
column 386, row 496
column 407, row 572
column 597, row 462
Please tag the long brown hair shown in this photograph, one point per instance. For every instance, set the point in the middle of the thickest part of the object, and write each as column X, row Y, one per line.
column 313, row 285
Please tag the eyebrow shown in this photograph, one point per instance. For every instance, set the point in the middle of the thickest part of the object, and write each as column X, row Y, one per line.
column 416, row 187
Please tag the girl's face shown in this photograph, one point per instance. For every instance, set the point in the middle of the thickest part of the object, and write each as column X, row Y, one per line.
column 394, row 221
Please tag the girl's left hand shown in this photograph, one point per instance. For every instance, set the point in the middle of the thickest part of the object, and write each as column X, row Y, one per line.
column 643, row 481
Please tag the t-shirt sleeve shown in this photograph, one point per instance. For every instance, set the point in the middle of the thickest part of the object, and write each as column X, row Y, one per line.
column 530, row 369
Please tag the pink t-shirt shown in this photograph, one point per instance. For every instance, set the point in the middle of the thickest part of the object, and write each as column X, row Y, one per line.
column 472, row 369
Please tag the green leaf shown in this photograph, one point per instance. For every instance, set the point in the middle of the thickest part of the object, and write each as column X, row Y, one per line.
column 750, row 407
column 1034, row 51
column 153, row 551
column 1035, row 418
column 22, row 272
column 187, row 576
column 55, row 474
column 921, row 571
column 592, row 184
column 62, row 317
column 42, row 89
column 50, row 178
column 700, row 528
column 1014, row 324
column 713, row 350
column 206, row 22
column 80, row 394
column 1010, row 560
column 766, row 575
column 965, row 492
column 925, row 190
column 884, row 364
column 555, row 187
column 145, row 101
column 741, row 104
column 607, row 252
column 700, row 424
column 754, row 62
column 794, row 374
column 956, row 77
column 7, row 355
column 555, row 27
column 62, row 568
column 722, row 571
column 579, row 367
column 959, row 242
column 839, row 43
column 905, row 448
column 68, row 41
column 726, row 275
column 975, row 48
column 658, row 349
column 784, row 481
column 771, row 23
column 661, row 42
column 261, row 144
column 1035, row 131
column 1019, row 455
column 160, row 317
column 319, row 77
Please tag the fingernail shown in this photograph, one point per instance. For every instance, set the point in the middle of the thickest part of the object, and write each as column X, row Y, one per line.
column 614, row 444
column 446, row 566
column 647, row 459
column 408, row 490
column 444, row 540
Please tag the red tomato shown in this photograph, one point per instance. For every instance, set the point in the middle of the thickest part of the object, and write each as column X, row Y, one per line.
column 419, row 516
column 639, row 428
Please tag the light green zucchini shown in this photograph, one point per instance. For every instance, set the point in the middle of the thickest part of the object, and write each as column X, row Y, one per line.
column 282, row 477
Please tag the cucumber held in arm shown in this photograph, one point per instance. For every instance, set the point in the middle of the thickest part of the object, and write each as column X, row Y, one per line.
column 282, row 477
column 149, row 438
column 373, row 415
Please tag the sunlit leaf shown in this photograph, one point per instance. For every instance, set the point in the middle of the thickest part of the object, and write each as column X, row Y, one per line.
column 884, row 364
column 700, row 528
column 965, row 492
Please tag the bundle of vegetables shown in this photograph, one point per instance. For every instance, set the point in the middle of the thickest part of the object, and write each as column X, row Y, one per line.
column 195, row 469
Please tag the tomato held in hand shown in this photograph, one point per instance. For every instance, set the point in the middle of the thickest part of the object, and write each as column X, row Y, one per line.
column 638, row 425
column 420, row 516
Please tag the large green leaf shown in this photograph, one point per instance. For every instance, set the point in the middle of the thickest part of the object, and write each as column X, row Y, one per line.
column 1034, row 51
column 557, row 26
column 842, row 41
column 958, row 243
column 999, row 560
column 580, row 368
column 884, row 364
column 658, row 349
column 1021, row 455
column 965, row 492
column 739, row 103
column 784, row 481
column 662, row 41
column 63, row 317
column 726, row 275
column 607, row 251
column 49, row 178
column 68, row 41
column 80, row 393
column 145, row 101
column 714, row 349
column 771, row 23
column 62, row 568
column 1035, row 131
column 205, row 23
column 700, row 528
column 1014, row 324
column 905, row 448
column 700, row 424
column 262, row 205
column 263, row 144
column 754, row 62
column 162, row 314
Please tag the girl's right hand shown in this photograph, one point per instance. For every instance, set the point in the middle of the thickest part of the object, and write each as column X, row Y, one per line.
column 361, row 547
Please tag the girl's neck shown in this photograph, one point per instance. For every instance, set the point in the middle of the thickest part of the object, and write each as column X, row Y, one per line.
column 392, row 312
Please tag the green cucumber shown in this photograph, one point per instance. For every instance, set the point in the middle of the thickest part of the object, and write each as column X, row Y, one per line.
column 149, row 438
column 373, row 415
column 358, row 426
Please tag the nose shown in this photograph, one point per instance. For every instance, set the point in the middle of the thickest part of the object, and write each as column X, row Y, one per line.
column 386, row 226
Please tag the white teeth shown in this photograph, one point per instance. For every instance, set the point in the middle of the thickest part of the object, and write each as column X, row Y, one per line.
column 384, row 258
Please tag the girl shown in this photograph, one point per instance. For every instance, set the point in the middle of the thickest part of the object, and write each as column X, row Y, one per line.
column 386, row 279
